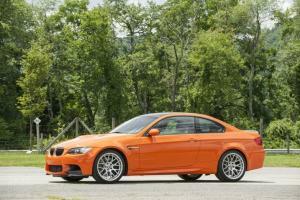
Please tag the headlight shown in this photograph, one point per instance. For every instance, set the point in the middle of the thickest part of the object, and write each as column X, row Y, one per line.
column 79, row 150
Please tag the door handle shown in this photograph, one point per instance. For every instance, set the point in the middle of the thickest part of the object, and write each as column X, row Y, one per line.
column 193, row 140
column 132, row 147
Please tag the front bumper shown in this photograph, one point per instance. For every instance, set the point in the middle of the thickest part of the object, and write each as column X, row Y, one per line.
column 71, row 165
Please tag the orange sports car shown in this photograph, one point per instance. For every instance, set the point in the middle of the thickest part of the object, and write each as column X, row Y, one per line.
column 185, row 144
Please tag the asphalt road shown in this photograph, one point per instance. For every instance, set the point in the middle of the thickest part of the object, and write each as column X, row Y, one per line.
column 266, row 183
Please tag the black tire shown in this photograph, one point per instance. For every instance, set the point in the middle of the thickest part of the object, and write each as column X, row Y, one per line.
column 100, row 178
column 223, row 174
column 72, row 179
column 190, row 177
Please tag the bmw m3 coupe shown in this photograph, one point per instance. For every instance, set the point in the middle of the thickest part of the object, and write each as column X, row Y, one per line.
column 185, row 144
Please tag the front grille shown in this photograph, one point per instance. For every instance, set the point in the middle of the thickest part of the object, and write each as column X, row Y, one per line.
column 56, row 151
column 55, row 168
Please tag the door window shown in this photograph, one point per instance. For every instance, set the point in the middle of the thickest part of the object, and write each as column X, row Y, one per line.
column 207, row 126
column 176, row 125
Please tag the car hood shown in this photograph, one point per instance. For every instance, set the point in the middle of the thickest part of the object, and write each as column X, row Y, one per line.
column 90, row 140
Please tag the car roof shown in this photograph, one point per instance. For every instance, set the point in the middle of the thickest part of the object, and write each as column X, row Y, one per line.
column 156, row 114
column 174, row 114
column 170, row 114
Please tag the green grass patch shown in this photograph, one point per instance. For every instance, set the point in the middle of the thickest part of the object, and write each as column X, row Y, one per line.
column 38, row 160
column 282, row 160
column 22, row 159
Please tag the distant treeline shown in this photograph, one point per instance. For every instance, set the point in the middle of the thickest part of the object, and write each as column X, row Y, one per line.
column 235, row 60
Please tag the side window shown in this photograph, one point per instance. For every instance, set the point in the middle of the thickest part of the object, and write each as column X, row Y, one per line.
column 176, row 125
column 207, row 126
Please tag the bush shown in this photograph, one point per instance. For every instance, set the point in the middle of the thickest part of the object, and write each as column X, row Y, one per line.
column 278, row 131
column 245, row 123
column 5, row 133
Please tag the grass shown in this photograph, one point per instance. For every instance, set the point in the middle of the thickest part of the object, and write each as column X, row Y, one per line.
column 282, row 160
column 37, row 160
column 21, row 159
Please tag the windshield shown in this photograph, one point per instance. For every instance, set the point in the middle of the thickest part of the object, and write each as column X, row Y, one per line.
column 134, row 125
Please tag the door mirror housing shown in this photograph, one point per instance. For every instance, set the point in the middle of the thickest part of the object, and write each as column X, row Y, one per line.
column 153, row 132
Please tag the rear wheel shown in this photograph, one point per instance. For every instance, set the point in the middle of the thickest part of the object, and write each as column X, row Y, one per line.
column 109, row 167
column 72, row 179
column 231, row 167
column 190, row 177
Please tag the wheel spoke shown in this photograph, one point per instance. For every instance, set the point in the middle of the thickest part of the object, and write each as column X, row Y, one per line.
column 109, row 166
column 233, row 165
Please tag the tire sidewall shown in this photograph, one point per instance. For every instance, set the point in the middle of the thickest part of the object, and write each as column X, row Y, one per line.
column 220, row 174
column 97, row 177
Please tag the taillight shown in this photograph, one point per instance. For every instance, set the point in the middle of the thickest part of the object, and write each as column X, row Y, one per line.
column 258, row 141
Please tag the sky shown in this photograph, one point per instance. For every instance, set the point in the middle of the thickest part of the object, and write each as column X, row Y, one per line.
column 94, row 3
column 284, row 4
column 143, row 2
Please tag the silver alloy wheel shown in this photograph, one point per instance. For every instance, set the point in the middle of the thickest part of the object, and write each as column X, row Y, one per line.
column 233, row 166
column 109, row 166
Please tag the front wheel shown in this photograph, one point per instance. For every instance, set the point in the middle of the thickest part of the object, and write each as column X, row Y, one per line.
column 231, row 167
column 109, row 167
column 190, row 177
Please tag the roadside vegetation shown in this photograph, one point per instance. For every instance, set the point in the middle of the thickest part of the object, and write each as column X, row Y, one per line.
column 235, row 60
column 38, row 160
column 282, row 160
column 22, row 159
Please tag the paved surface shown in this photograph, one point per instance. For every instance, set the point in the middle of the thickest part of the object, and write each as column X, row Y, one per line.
column 266, row 183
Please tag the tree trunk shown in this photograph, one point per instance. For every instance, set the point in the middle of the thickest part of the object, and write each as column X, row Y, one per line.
column 60, row 106
column 50, row 105
column 30, row 134
column 88, row 107
column 174, row 85
column 145, row 103
column 252, row 64
column 250, row 90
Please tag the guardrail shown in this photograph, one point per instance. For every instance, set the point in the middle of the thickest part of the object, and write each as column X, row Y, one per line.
column 283, row 151
column 17, row 150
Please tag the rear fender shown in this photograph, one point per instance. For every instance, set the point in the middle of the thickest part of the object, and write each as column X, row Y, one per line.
column 235, row 146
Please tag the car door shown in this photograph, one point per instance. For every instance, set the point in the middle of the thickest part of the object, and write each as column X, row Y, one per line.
column 175, row 146
column 210, row 136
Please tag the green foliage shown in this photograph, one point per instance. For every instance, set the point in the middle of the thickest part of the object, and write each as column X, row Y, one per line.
column 279, row 132
column 216, row 79
column 5, row 133
column 60, row 60
column 16, row 31
column 36, row 66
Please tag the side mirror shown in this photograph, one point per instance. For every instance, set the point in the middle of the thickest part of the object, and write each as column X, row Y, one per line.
column 153, row 132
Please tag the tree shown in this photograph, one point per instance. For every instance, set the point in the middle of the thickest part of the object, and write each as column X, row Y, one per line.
column 36, row 64
column 215, row 84
column 15, row 33
column 175, row 33
column 35, row 67
column 96, row 66
column 289, row 60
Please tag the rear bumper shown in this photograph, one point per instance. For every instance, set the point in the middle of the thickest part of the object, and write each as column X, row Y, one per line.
column 256, row 159
column 70, row 165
